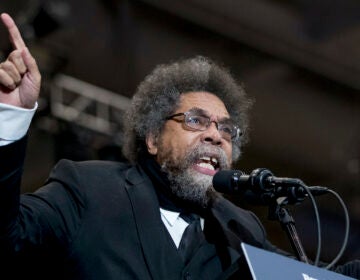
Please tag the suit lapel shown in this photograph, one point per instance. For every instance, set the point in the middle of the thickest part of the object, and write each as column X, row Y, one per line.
column 160, row 255
column 238, row 225
column 227, row 226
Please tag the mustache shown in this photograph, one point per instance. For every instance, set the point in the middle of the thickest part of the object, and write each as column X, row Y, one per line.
column 202, row 150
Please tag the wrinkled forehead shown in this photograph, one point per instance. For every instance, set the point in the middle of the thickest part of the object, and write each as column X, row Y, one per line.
column 205, row 102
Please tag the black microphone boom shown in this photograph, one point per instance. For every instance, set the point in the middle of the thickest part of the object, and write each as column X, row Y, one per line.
column 261, row 187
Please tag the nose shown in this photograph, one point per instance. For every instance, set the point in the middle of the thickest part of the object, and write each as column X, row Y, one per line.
column 212, row 135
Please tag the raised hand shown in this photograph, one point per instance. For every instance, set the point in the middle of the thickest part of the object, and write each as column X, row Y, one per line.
column 20, row 79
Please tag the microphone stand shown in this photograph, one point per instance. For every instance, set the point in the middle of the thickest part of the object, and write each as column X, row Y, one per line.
column 277, row 211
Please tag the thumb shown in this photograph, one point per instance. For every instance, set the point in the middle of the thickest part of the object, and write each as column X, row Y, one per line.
column 31, row 65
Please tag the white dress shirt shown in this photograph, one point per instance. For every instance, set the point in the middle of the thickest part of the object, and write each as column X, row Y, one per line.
column 14, row 122
column 175, row 224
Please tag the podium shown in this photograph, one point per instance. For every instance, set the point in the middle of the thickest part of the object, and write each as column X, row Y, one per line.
column 265, row 265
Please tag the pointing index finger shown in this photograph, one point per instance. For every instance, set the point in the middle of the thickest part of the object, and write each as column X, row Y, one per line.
column 14, row 33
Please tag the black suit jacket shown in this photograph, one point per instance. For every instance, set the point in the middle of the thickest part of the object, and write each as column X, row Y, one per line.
column 101, row 220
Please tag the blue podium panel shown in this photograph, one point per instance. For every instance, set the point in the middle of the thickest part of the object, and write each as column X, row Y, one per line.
column 265, row 265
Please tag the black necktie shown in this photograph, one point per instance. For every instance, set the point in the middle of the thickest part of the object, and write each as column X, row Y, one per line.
column 192, row 238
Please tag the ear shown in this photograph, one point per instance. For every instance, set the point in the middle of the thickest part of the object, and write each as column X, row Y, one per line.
column 151, row 144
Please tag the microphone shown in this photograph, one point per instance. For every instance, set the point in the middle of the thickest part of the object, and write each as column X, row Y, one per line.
column 262, row 187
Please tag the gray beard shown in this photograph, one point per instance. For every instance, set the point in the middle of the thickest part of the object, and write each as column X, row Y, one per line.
column 188, row 184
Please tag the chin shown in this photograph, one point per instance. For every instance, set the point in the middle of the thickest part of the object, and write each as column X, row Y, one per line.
column 198, row 188
column 191, row 186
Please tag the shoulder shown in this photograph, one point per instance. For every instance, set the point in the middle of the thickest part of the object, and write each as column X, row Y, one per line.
column 91, row 165
column 88, row 172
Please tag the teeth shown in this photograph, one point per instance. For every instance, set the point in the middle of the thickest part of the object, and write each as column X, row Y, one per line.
column 206, row 165
column 209, row 161
column 206, row 158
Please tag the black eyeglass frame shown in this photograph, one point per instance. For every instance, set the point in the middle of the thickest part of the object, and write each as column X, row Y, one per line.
column 235, row 130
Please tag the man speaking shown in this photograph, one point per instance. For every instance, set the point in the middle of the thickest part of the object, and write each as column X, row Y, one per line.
column 156, row 217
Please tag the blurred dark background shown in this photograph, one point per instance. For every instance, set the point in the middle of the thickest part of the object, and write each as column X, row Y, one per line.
column 299, row 60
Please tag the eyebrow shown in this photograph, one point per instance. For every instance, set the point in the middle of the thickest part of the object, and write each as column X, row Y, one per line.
column 203, row 112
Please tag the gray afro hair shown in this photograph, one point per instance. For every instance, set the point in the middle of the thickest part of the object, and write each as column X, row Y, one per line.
column 158, row 97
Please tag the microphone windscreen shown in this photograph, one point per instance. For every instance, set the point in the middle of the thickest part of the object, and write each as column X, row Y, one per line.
column 224, row 180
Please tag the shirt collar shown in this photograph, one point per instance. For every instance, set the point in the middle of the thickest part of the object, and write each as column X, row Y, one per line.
column 170, row 216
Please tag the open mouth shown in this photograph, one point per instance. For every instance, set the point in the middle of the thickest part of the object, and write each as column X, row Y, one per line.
column 207, row 165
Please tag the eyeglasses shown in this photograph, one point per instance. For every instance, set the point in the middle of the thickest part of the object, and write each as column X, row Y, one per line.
column 201, row 122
